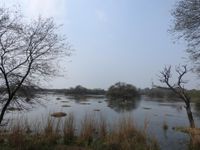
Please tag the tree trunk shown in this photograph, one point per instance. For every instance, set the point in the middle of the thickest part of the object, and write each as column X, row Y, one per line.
column 4, row 110
column 190, row 116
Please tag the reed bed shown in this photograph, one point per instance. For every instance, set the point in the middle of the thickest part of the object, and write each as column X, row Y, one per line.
column 92, row 134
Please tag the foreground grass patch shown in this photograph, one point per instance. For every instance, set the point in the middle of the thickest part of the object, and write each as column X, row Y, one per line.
column 194, row 134
column 91, row 134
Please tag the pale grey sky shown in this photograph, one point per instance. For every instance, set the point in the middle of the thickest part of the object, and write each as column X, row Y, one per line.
column 114, row 40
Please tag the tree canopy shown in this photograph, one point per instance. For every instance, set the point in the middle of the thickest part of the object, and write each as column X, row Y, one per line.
column 187, row 25
column 123, row 91
column 28, row 53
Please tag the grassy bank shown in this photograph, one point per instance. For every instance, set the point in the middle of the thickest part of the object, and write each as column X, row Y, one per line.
column 92, row 134
column 194, row 134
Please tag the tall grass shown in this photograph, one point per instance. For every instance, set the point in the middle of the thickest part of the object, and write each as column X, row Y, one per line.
column 88, row 129
column 195, row 138
column 69, row 130
column 194, row 134
column 94, row 133
column 126, row 136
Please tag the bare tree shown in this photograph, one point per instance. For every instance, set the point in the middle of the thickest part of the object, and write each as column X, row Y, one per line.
column 28, row 53
column 178, row 88
column 187, row 26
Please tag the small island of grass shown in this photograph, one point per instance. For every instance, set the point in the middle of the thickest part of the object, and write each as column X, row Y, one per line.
column 58, row 114
column 122, row 91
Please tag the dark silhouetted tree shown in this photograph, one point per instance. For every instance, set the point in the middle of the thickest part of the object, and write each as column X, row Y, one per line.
column 178, row 88
column 28, row 53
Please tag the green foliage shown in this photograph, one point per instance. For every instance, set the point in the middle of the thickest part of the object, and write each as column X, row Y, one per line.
column 122, row 91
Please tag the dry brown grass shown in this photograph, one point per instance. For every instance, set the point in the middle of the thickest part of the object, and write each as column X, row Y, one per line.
column 51, row 134
column 88, row 129
column 69, row 130
column 102, row 128
column 16, row 138
column 195, row 138
column 126, row 136
column 94, row 133
column 194, row 134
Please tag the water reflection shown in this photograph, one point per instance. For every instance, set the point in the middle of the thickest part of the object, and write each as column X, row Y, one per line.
column 120, row 106
column 147, row 108
column 178, row 106
column 79, row 98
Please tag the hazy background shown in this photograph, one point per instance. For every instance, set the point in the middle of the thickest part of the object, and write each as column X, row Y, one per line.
column 114, row 40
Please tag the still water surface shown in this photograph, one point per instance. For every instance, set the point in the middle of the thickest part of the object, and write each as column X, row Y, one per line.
column 152, row 110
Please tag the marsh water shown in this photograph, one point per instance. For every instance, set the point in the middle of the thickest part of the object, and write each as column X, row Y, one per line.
column 154, row 112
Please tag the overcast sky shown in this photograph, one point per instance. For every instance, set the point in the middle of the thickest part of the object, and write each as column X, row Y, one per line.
column 114, row 40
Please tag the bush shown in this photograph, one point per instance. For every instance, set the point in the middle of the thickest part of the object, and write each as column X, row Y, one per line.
column 122, row 91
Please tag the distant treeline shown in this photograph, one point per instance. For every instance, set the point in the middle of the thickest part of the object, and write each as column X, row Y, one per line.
column 167, row 93
column 78, row 90
column 115, row 90
column 158, row 92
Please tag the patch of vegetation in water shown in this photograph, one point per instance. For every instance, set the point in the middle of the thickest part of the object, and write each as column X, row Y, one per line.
column 165, row 126
column 122, row 91
column 96, row 109
column 58, row 114
column 84, row 103
column 146, row 108
column 66, row 106
column 65, row 101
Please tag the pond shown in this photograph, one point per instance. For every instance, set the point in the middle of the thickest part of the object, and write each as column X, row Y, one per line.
column 152, row 111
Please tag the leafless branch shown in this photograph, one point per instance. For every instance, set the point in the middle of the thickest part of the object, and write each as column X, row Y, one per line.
column 27, row 53
column 178, row 88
